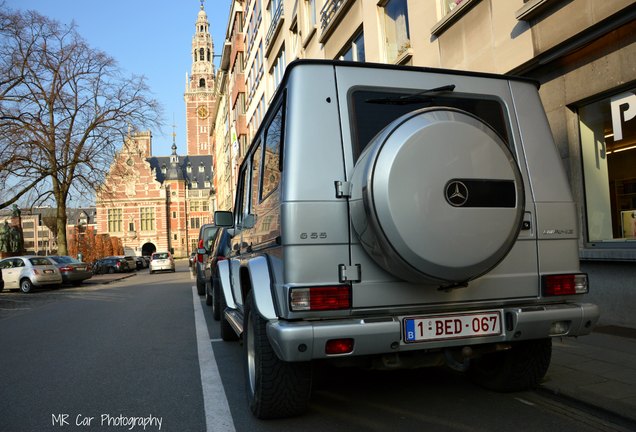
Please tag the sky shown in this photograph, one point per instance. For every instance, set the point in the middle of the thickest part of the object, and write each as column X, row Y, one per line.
column 152, row 38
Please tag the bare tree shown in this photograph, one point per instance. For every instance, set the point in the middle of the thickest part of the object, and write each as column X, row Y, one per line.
column 65, row 108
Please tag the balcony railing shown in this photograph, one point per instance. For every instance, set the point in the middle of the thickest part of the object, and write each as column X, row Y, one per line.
column 274, row 25
column 330, row 14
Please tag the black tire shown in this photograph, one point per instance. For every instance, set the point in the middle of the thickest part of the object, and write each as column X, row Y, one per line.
column 275, row 388
column 200, row 287
column 26, row 286
column 111, row 270
column 522, row 367
column 227, row 332
column 216, row 301
column 208, row 296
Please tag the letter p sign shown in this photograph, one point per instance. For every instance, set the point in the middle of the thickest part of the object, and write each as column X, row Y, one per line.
column 617, row 102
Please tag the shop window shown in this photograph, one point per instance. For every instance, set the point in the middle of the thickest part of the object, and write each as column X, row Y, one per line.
column 608, row 144
column 396, row 30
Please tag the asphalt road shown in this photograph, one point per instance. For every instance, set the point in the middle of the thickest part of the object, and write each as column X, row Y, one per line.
column 145, row 349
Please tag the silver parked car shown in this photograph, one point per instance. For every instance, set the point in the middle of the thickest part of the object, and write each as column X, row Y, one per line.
column 161, row 261
column 400, row 217
column 26, row 272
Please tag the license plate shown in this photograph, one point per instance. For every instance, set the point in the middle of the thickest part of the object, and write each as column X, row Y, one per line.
column 48, row 271
column 457, row 326
column 80, row 268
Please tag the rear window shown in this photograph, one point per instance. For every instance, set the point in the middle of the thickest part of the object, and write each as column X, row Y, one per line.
column 163, row 255
column 40, row 261
column 372, row 111
column 208, row 236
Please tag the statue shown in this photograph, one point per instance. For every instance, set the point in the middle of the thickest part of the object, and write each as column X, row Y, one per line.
column 4, row 237
column 15, row 211
column 15, row 240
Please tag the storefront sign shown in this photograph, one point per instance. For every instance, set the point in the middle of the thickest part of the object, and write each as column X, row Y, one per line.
column 629, row 113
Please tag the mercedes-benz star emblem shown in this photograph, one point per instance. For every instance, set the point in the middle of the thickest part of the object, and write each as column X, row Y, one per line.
column 456, row 193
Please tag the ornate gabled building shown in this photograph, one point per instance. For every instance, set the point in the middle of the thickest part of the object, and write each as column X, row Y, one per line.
column 159, row 202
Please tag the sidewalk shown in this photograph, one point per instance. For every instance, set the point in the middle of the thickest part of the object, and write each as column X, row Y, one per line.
column 108, row 278
column 598, row 370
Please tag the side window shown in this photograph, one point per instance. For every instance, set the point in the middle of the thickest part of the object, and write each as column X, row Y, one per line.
column 257, row 158
column 273, row 144
column 242, row 196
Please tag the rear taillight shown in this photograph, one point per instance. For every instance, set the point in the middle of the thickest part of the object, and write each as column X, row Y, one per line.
column 320, row 298
column 118, row 264
column 564, row 284
column 66, row 268
column 200, row 256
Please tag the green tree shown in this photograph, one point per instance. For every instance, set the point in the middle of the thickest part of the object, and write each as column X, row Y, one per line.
column 65, row 109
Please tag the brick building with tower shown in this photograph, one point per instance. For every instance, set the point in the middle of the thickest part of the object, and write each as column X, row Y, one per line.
column 159, row 202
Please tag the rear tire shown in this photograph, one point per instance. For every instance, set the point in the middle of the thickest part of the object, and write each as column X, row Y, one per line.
column 200, row 287
column 208, row 297
column 26, row 286
column 522, row 367
column 216, row 302
column 275, row 388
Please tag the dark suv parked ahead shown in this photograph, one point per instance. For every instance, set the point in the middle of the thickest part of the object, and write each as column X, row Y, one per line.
column 206, row 236
column 111, row 265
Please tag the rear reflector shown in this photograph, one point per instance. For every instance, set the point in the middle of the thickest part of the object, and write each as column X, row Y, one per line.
column 339, row 346
column 564, row 284
column 320, row 298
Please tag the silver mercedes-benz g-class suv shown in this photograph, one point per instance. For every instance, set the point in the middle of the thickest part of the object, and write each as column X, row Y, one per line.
column 394, row 217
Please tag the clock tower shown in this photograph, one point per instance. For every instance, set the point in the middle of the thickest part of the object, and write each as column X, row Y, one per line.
column 199, row 94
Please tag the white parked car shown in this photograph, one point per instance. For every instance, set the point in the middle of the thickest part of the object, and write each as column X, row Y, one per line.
column 26, row 272
column 161, row 261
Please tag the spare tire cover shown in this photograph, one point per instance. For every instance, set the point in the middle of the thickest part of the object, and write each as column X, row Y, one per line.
column 437, row 197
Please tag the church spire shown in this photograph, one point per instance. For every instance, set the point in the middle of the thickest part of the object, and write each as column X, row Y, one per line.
column 200, row 86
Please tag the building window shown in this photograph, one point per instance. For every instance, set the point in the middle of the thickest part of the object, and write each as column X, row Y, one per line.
column 147, row 215
column 354, row 50
column 174, row 215
column 310, row 15
column 449, row 6
column 115, row 220
column 608, row 147
column 195, row 222
column 189, row 168
column 278, row 70
column 396, row 29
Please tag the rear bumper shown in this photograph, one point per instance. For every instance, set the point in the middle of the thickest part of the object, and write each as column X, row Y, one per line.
column 306, row 340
